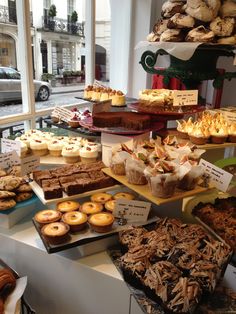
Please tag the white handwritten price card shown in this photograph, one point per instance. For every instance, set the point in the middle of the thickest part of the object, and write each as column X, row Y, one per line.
column 185, row 97
column 132, row 210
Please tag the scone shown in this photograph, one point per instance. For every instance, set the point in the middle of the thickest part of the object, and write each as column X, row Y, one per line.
column 228, row 9
column 170, row 8
column 77, row 221
column 222, row 27
column 181, row 21
column 160, row 26
column 172, row 35
column 202, row 10
column 200, row 34
column 56, row 232
column 101, row 222
column 47, row 216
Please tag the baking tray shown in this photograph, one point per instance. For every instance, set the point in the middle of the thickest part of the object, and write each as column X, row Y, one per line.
column 145, row 191
column 88, row 236
column 222, row 301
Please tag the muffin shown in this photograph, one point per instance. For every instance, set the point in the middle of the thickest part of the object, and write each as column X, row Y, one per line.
column 134, row 169
column 101, row 198
column 39, row 147
column 101, row 222
column 124, row 195
column 67, row 206
column 89, row 153
column 47, row 216
column 55, row 148
column 117, row 163
column 77, row 221
column 90, row 208
column 56, row 232
column 163, row 185
column 71, row 153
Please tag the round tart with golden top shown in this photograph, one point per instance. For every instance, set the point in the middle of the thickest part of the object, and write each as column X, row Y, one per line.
column 90, row 208
column 68, row 206
column 47, row 216
column 77, row 221
column 101, row 197
column 56, row 232
column 110, row 205
column 101, row 222
column 125, row 195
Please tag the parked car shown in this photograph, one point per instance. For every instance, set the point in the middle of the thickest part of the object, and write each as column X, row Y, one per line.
column 10, row 86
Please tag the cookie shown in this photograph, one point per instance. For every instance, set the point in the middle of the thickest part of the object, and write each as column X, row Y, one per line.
column 24, row 188
column 9, row 183
column 7, row 204
column 23, row 196
column 15, row 171
column 2, row 172
column 6, row 194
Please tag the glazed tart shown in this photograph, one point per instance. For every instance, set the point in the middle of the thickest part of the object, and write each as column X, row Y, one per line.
column 68, row 206
column 56, row 232
column 77, row 221
column 101, row 222
column 47, row 216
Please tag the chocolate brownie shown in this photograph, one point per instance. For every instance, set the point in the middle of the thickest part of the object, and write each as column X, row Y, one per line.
column 71, row 188
column 40, row 175
column 51, row 189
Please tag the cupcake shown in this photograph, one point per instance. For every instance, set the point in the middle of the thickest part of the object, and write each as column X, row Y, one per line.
column 134, row 169
column 89, row 153
column 55, row 147
column 101, row 222
column 77, row 221
column 219, row 134
column 90, row 208
column 232, row 133
column 71, row 153
column 74, row 122
column 68, row 206
column 199, row 135
column 47, row 216
column 23, row 149
column 39, row 147
column 117, row 163
column 56, row 232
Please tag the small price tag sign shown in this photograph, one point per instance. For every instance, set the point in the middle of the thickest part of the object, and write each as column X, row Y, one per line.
column 132, row 210
column 218, row 177
column 185, row 97
column 62, row 113
column 10, row 145
column 9, row 159
column 28, row 164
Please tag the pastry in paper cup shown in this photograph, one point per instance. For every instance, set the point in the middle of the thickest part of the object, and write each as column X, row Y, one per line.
column 191, row 178
column 134, row 168
column 163, row 185
column 117, row 163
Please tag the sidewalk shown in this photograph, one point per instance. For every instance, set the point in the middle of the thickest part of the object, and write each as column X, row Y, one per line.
column 68, row 89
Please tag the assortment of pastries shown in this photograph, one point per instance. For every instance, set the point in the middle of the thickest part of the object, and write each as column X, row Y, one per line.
column 196, row 21
column 72, row 179
column 13, row 188
column 173, row 263
column 221, row 217
column 163, row 166
column 98, row 93
column 73, row 149
column 72, row 217
column 208, row 127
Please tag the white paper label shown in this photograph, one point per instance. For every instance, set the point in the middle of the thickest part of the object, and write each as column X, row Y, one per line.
column 218, row 177
column 132, row 210
column 9, row 159
column 185, row 97
column 10, row 145
column 5, row 133
column 62, row 114
column 28, row 164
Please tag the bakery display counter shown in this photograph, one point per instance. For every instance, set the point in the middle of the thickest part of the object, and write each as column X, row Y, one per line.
column 144, row 190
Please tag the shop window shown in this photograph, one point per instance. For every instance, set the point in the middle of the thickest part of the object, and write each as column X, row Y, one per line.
column 70, row 6
column 46, row 4
column 7, row 50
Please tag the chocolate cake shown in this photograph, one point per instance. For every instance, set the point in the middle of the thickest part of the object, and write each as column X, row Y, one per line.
column 128, row 120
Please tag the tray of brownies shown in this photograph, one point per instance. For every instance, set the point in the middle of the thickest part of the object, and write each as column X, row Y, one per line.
column 169, row 266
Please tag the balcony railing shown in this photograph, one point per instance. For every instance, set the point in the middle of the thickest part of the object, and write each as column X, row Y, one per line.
column 62, row 26
column 8, row 15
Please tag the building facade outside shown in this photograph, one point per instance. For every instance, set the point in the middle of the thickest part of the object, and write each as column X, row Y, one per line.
column 58, row 45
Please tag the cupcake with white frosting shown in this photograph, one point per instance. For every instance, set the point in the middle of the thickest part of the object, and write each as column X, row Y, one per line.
column 89, row 153
column 55, row 147
column 23, row 149
column 39, row 146
column 71, row 153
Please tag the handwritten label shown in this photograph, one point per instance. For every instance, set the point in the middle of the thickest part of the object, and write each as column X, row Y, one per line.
column 185, row 97
column 9, row 159
column 132, row 210
column 5, row 133
column 28, row 164
column 218, row 177
column 62, row 114
column 10, row 145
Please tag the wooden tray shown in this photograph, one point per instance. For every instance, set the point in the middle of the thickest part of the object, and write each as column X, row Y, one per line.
column 39, row 192
column 145, row 191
